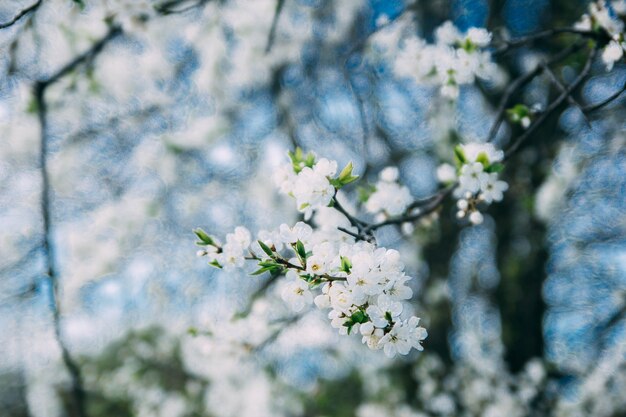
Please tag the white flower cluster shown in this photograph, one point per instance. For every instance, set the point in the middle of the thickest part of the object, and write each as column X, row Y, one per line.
column 369, row 298
column 600, row 17
column 230, row 255
column 311, row 181
column 478, row 166
column 388, row 197
column 363, row 285
column 454, row 59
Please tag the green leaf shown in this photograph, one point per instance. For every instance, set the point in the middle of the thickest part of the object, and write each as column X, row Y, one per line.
column 310, row 160
column 192, row 331
column 301, row 250
column 346, row 172
column 215, row 264
column 349, row 324
column 204, row 237
column 345, row 177
column 296, row 156
column 266, row 249
column 518, row 112
column 261, row 270
column 335, row 182
column 359, row 317
column 349, row 180
column 497, row 167
column 459, row 155
column 346, row 265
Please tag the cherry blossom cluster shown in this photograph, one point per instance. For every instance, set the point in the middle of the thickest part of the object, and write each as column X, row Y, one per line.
column 478, row 165
column 454, row 59
column 363, row 285
column 387, row 198
column 604, row 18
column 311, row 181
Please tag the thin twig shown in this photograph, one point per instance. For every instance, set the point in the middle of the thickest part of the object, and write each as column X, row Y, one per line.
column 555, row 104
column 593, row 107
column 520, row 82
column 555, row 80
column 425, row 210
column 271, row 37
column 21, row 14
column 517, row 42
column 88, row 55
column 174, row 6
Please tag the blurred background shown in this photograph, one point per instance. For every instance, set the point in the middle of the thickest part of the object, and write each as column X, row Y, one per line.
column 179, row 117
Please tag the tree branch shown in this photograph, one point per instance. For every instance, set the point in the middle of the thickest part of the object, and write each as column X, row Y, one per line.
column 515, row 43
column 593, row 107
column 520, row 82
column 272, row 34
column 51, row 270
column 555, row 104
column 178, row 6
column 21, row 14
column 563, row 89
column 431, row 204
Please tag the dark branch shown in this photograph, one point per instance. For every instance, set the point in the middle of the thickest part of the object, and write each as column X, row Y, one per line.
column 86, row 56
column 51, row 271
column 555, row 80
column 521, row 82
column 515, row 43
column 553, row 106
column 21, row 14
column 422, row 208
column 178, row 6
column 435, row 202
column 272, row 35
column 593, row 107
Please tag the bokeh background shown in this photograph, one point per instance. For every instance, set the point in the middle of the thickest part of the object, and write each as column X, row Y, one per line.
column 179, row 121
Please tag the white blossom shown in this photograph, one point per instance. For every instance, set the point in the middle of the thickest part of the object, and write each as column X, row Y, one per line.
column 446, row 173
column 296, row 292
column 612, row 53
column 473, row 150
column 469, row 179
column 490, row 188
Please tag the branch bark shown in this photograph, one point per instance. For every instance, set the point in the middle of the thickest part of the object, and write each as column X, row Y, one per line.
column 51, row 269
column 21, row 14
